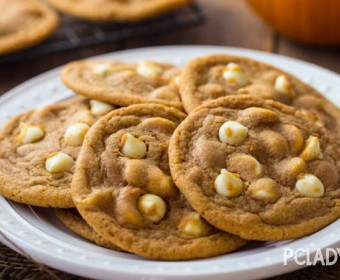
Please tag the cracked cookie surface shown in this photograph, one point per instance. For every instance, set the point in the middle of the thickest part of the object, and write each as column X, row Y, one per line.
column 257, row 168
column 122, row 187
column 38, row 150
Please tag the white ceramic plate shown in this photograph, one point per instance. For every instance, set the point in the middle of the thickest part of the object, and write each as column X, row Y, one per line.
column 38, row 232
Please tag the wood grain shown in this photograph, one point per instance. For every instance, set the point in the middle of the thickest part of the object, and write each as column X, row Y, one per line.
column 325, row 57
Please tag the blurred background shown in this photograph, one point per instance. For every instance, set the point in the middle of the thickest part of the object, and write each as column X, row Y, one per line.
column 313, row 28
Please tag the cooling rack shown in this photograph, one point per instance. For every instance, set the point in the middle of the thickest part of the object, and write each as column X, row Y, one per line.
column 75, row 33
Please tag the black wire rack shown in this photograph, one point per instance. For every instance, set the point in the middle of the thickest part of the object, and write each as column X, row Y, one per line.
column 74, row 33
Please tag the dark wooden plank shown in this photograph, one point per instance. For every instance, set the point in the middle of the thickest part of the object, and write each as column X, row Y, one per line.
column 325, row 57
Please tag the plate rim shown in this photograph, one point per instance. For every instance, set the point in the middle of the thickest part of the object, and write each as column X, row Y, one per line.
column 53, row 73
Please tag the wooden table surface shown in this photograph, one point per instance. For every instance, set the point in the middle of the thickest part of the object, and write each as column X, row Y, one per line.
column 229, row 23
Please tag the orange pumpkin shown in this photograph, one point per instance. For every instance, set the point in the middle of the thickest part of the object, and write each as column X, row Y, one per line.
column 309, row 21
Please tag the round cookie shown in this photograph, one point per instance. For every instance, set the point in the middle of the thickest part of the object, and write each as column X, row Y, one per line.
column 124, row 84
column 38, row 150
column 24, row 23
column 257, row 168
column 73, row 221
column 117, row 10
column 123, row 189
column 210, row 77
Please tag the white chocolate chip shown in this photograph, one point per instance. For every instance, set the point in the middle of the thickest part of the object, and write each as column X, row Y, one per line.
column 233, row 133
column 30, row 133
column 75, row 134
column 177, row 80
column 312, row 149
column 228, row 184
column 103, row 69
column 264, row 189
column 263, row 194
column 194, row 226
column 283, row 85
column 310, row 186
column 99, row 108
column 234, row 74
column 149, row 69
column 152, row 207
column 132, row 147
column 58, row 162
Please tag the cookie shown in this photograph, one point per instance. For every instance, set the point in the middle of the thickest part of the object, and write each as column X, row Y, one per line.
column 38, row 150
column 124, row 84
column 73, row 221
column 207, row 78
column 123, row 189
column 24, row 23
column 257, row 168
column 116, row 10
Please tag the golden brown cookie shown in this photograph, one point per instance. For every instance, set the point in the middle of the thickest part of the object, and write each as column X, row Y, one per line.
column 124, row 84
column 207, row 78
column 122, row 187
column 73, row 221
column 24, row 23
column 257, row 168
column 117, row 10
column 38, row 150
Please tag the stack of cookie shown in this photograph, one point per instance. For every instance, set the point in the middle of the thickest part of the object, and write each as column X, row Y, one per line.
column 256, row 158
